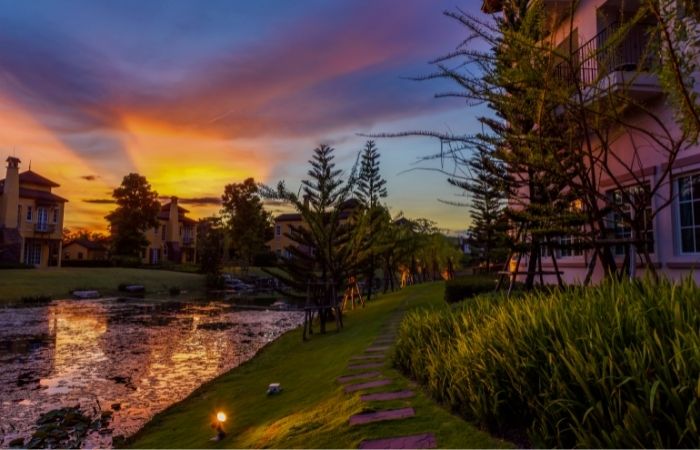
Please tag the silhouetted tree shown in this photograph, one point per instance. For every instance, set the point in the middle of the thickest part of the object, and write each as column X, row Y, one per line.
column 137, row 211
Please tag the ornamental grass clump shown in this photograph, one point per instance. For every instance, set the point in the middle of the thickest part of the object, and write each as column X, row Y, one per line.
column 612, row 366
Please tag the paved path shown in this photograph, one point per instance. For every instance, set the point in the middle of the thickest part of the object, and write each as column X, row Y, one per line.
column 363, row 378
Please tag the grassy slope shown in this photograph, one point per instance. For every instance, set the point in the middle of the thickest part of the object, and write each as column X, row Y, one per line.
column 57, row 283
column 312, row 411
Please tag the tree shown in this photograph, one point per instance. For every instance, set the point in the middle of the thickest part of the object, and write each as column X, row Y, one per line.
column 247, row 223
column 137, row 210
column 370, row 189
column 322, row 253
column 210, row 249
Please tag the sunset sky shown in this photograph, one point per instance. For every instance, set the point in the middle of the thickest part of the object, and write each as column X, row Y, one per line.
column 198, row 94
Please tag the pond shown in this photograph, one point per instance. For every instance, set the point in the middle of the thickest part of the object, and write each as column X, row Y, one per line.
column 130, row 357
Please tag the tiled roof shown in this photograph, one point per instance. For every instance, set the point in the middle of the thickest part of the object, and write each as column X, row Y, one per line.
column 164, row 214
column 37, row 195
column 290, row 217
column 34, row 178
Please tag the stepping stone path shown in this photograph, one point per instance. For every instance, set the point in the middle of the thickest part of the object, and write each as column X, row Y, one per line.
column 375, row 358
column 426, row 440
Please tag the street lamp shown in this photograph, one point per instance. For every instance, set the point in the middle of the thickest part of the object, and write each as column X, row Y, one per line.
column 219, row 425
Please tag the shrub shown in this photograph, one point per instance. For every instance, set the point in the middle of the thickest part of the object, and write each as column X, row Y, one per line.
column 86, row 263
column 35, row 299
column 126, row 261
column 14, row 265
column 612, row 366
column 468, row 286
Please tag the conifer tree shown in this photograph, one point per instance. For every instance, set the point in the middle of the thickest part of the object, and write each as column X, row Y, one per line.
column 371, row 188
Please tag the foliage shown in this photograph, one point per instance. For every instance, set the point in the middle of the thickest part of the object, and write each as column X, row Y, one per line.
column 137, row 210
column 90, row 263
column 614, row 366
column 82, row 233
column 370, row 189
column 322, row 251
column 468, row 286
column 248, row 226
column 210, row 250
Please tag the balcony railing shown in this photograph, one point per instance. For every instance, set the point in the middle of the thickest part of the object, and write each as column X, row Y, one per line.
column 599, row 57
column 44, row 227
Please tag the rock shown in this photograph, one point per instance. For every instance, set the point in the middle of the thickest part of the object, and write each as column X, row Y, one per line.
column 83, row 295
column 135, row 288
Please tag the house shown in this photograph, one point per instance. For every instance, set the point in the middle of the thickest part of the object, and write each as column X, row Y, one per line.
column 285, row 222
column 31, row 218
column 174, row 239
column 83, row 249
column 624, row 69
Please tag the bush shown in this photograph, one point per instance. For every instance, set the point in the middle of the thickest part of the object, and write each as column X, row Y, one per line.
column 126, row 261
column 14, row 265
column 613, row 366
column 35, row 299
column 468, row 286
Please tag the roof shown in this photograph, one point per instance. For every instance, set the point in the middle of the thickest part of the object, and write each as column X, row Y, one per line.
column 30, row 177
column 289, row 217
column 44, row 196
column 88, row 244
column 491, row 6
column 164, row 214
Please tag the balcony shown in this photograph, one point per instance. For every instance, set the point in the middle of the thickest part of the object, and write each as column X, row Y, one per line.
column 603, row 67
column 187, row 241
column 44, row 227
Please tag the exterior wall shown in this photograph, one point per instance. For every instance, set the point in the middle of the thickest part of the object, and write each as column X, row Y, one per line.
column 280, row 242
column 667, row 256
column 77, row 252
column 158, row 237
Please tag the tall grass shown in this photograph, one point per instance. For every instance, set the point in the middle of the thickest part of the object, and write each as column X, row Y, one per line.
column 612, row 366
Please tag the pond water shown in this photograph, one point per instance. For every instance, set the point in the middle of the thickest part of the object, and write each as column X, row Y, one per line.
column 132, row 357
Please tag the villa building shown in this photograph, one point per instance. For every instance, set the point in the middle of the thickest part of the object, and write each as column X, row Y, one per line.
column 174, row 239
column 31, row 218
column 83, row 249
column 623, row 69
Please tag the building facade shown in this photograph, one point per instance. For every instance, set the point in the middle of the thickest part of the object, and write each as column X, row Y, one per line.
column 625, row 69
column 84, row 250
column 174, row 239
column 31, row 218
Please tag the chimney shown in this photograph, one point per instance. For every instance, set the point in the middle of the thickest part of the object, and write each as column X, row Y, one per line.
column 10, row 196
column 173, row 222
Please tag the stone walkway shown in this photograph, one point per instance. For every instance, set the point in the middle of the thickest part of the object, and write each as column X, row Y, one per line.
column 363, row 377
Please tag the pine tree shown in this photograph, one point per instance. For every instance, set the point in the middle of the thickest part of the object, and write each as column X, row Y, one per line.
column 322, row 253
column 371, row 188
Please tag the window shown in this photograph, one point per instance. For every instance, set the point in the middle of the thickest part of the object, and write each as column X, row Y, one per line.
column 55, row 215
column 80, row 255
column 278, row 230
column 32, row 253
column 569, row 246
column 19, row 214
column 42, row 219
column 619, row 221
column 162, row 232
column 689, row 213
column 29, row 213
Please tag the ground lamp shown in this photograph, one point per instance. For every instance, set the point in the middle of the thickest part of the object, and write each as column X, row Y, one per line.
column 219, row 426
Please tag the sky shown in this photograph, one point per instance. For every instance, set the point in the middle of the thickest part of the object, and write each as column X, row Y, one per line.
column 195, row 95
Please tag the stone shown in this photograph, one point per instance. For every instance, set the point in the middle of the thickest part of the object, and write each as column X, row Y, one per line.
column 135, row 288
column 358, row 376
column 274, row 388
column 381, row 396
column 381, row 416
column 378, row 348
column 368, row 385
column 373, row 365
column 84, row 295
column 426, row 440
column 370, row 356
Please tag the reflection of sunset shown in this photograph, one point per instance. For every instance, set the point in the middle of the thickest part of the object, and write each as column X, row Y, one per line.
column 76, row 330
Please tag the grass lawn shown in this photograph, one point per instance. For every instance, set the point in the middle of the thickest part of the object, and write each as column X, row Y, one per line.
column 57, row 283
column 312, row 411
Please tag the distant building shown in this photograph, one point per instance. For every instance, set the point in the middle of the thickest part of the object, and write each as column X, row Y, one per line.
column 285, row 222
column 175, row 237
column 31, row 218
column 83, row 249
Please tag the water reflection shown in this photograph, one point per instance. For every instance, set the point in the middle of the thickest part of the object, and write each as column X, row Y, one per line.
column 134, row 359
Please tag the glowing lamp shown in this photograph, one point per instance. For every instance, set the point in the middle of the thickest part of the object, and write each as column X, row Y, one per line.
column 218, row 425
column 221, row 416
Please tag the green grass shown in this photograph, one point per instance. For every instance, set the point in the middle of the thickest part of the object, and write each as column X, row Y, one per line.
column 57, row 283
column 312, row 411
